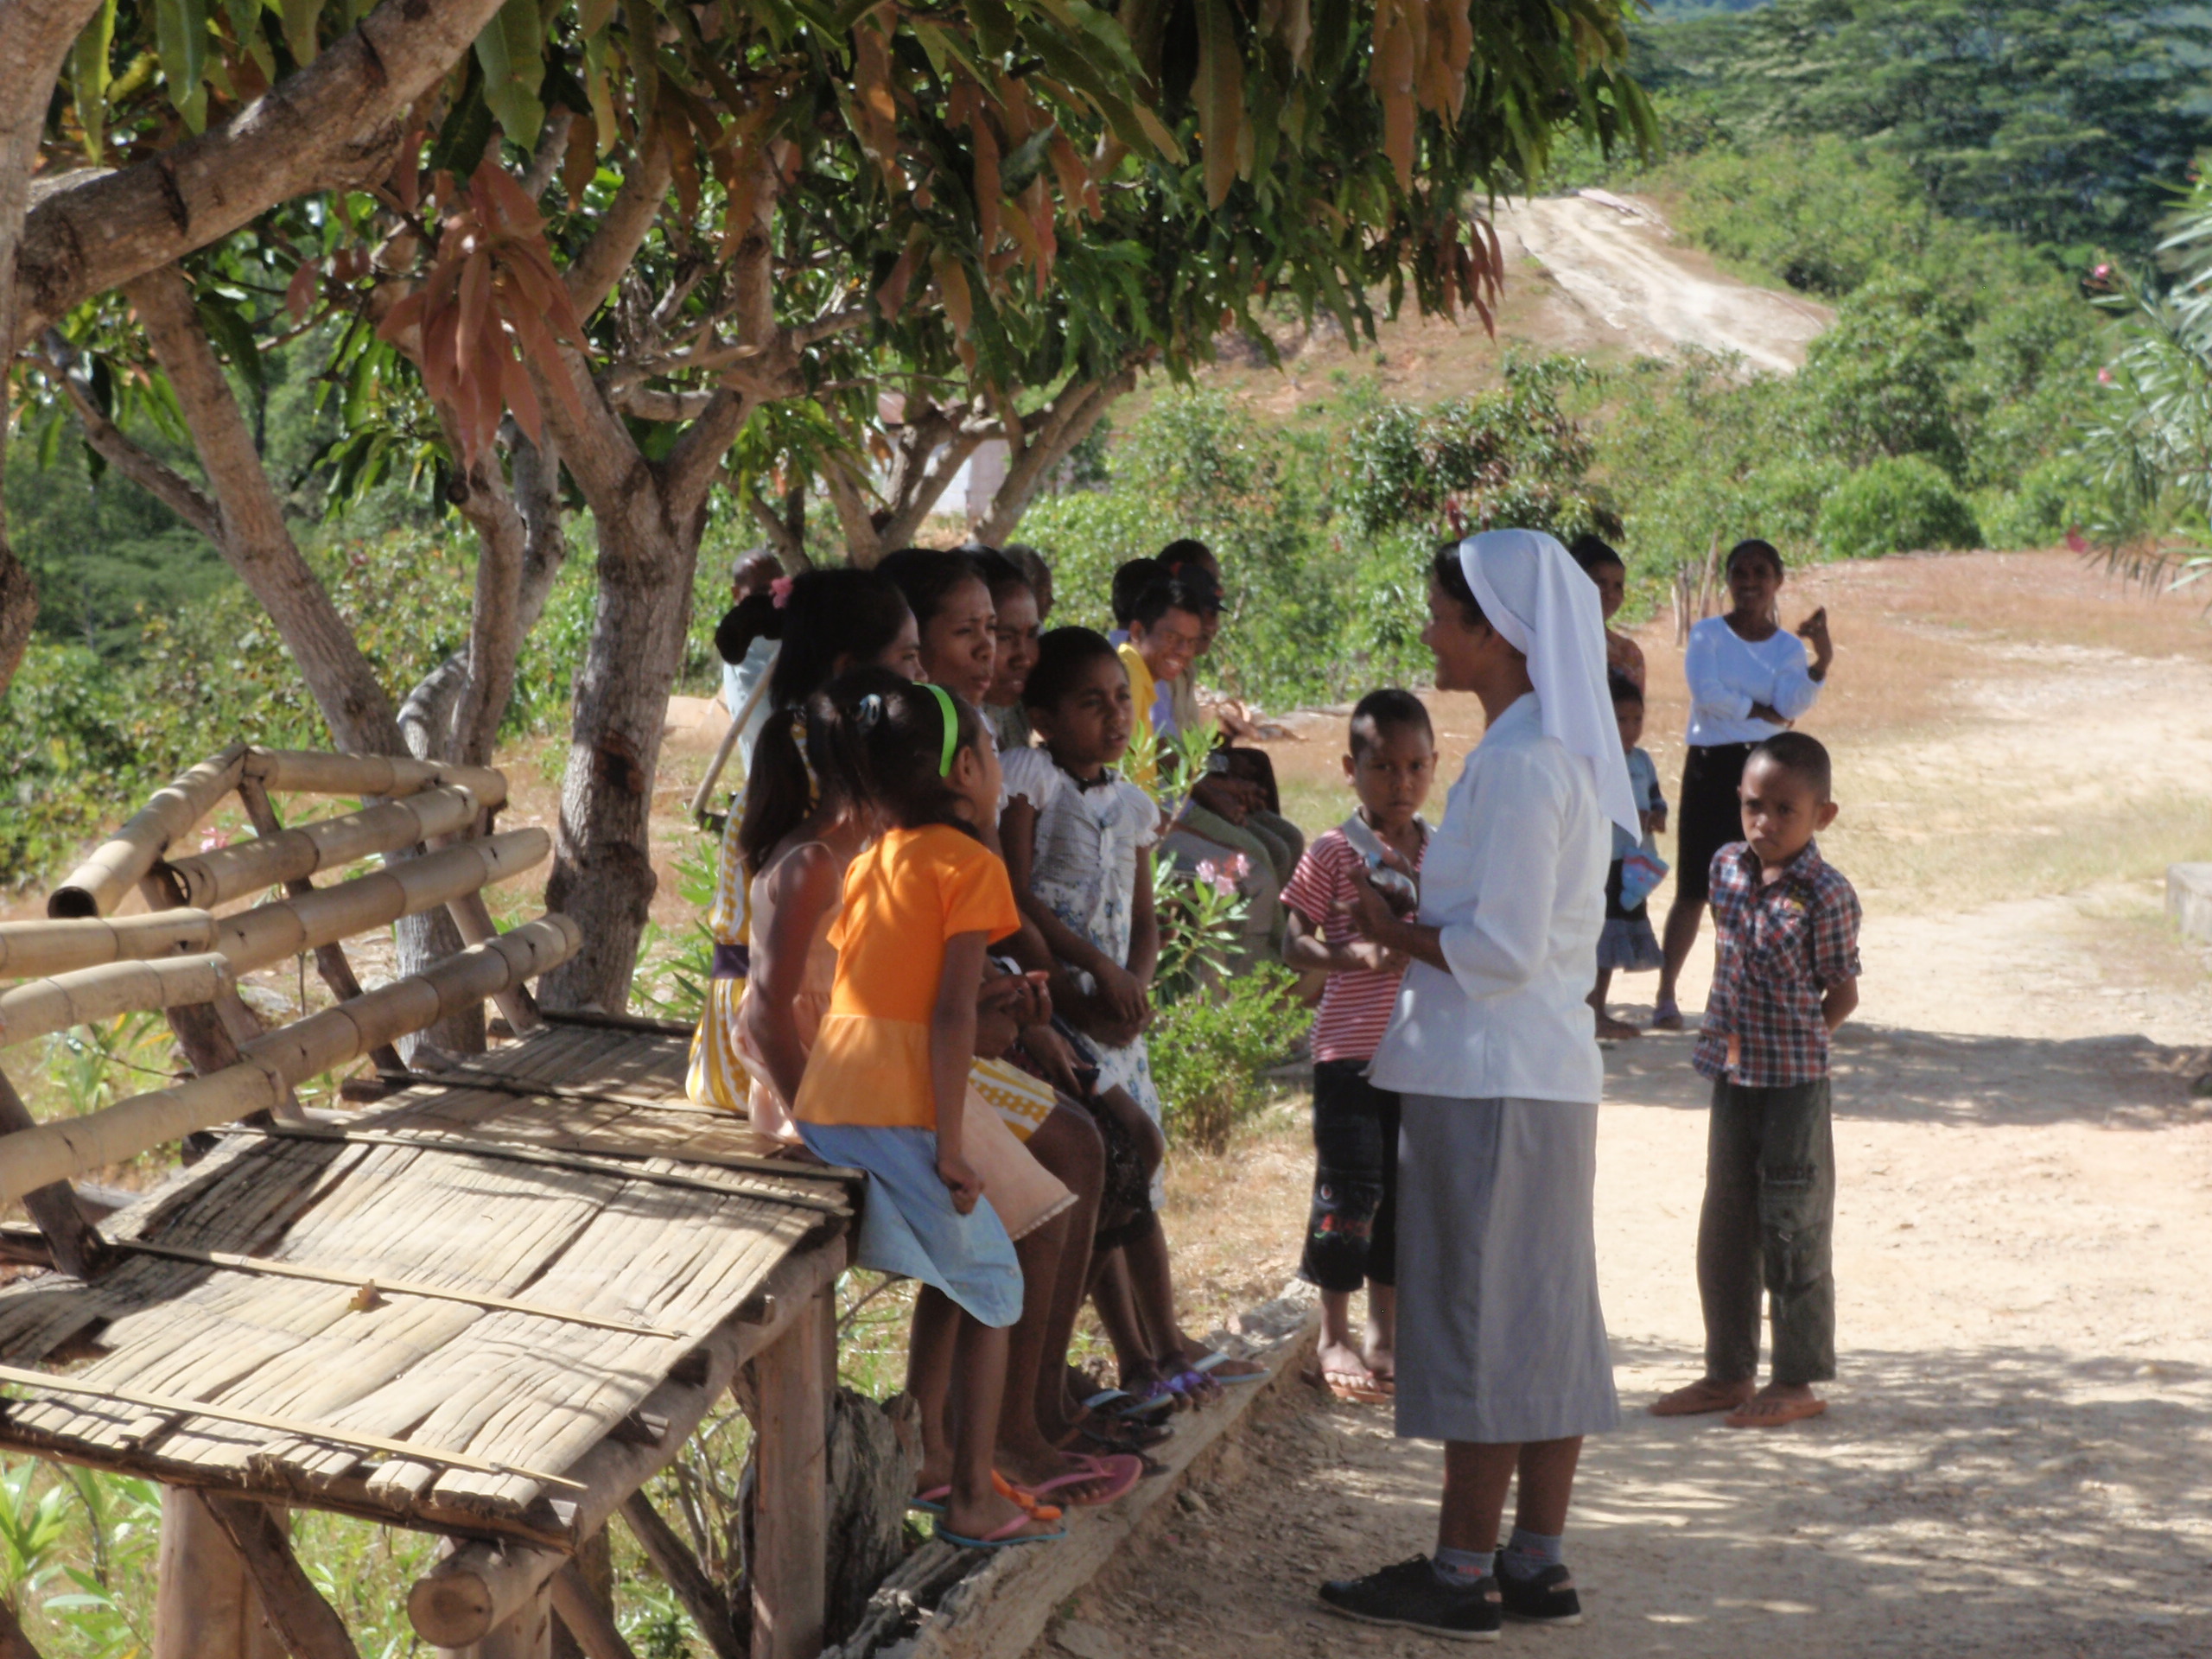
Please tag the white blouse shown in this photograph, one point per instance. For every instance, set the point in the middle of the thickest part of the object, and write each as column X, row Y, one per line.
column 1515, row 877
column 1728, row 674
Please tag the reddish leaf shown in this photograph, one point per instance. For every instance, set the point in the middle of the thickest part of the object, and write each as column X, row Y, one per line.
column 300, row 292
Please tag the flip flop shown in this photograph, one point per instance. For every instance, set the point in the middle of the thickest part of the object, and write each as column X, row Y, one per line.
column 1666, row 1016
column 1338, row 1383
column 1135, row 1405
column 930, row 1503
column 1781, row 1412
column 1121, row 1473
column 1001, row 1539
column 1136, row 1436
column 1025, row 1495
column 1206, row 1365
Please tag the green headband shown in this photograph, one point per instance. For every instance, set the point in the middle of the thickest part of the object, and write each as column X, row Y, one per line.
column 951, row 726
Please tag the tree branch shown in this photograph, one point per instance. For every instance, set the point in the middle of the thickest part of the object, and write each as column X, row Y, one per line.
column 164, row 483
column 1067, row 422
column 336, row 122
column 593, row 273
column 255, row 540
column 688, row 472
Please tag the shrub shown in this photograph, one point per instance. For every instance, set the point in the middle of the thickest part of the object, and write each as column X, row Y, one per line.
column 1208, row 1051
column 1894, row 506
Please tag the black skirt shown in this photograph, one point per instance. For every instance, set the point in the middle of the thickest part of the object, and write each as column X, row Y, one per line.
column 1710, row 816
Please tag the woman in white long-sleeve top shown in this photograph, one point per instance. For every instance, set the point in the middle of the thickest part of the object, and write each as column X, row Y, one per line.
column 1748, row 680
column 1492, row 1050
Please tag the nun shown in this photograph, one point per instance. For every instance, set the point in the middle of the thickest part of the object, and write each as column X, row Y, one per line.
column 1493, row 1050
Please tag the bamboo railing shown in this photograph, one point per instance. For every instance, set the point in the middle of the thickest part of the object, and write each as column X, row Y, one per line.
column 186, row 957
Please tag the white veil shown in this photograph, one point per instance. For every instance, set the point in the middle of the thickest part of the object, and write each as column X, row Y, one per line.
column 1532, row 591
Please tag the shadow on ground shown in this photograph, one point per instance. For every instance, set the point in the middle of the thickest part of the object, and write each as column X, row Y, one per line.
column 1892, row 1074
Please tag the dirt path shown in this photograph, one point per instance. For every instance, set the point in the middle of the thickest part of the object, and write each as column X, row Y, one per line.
column 2019, row 1460
column 1615, row 259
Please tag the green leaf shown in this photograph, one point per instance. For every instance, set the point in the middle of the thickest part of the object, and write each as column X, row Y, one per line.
column 89, row 73
column 466, row 131
column 512, row 50
column 300, row 17
column 246, row 23
column 229, row 330
column 180, row 36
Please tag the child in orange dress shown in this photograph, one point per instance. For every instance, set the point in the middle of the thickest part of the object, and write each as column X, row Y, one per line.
column 886, row 1085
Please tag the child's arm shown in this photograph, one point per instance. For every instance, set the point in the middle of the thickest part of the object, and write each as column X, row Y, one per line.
column 804, row 886
column 952, row 1041
column 1838, row 1004
column 1144, row 925
column 1305, row 949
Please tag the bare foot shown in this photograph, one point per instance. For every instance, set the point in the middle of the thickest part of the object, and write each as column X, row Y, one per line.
column 1611, row 1030
column 1774, row 1405
column 1347, row 1375
column 1666, row 1016
column 1703, row 1395
column 995, row 1520
column 1384, row 1363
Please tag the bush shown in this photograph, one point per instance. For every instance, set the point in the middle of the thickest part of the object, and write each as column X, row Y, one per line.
column 1209, row 1049
column 1895, row 505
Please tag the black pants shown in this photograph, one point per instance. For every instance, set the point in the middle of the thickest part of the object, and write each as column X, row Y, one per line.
column 1351, row 1234
column 1770, row 1209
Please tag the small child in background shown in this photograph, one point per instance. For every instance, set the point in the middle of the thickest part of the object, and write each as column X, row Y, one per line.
column 886, row 1084
column 1606, row 568
column 1166, row 626
column 1628, row 942
column 1785, row 977
column 1131, row 578
column 1351, row 1236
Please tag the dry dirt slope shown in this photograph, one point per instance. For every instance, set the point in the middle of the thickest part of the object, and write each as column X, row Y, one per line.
column 2019, row 1457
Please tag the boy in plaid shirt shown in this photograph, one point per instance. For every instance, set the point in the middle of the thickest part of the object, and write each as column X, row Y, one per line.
column 1786, row 976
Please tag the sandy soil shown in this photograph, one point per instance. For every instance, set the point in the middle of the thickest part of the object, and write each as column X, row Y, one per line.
column 1616, row 259
column 2018, row 1458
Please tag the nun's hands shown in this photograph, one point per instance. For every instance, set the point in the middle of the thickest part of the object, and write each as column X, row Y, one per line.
column 1370, row 910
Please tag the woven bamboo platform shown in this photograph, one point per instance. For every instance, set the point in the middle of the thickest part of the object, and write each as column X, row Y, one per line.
column 492, row 1302
column 637, row 1248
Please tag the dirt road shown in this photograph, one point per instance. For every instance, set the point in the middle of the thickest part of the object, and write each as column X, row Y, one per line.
column 1614, row 258
column 2018, row 1458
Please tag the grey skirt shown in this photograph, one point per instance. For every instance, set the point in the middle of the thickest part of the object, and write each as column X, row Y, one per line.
column 1500, row 1336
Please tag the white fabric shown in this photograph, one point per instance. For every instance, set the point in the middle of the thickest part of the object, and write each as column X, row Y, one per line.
column 1546, row 608
column 1728, row 674
column 1514, row 878
column 738, row 680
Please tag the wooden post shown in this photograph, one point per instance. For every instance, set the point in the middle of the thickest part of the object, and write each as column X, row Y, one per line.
column 204, row 1604
column 679, row 1569
column 307, row 1624
column 209, row 1034
column 74, row 1240
column 586, row 1619
column 525, row 1634
column 789, row 1568
column 14, row 1644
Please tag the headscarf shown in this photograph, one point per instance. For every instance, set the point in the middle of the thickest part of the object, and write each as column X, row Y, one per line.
column 1535, row 594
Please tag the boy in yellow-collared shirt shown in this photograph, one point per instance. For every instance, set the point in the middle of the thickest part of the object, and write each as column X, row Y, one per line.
column 1166, row 628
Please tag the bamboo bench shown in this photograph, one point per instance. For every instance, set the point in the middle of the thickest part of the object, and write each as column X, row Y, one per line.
column 491, row 1304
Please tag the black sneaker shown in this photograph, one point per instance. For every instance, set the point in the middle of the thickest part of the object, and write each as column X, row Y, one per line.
column 1408, row 1595
column 1547, row 1598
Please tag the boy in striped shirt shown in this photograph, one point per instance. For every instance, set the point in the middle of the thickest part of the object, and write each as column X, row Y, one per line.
column 1350, row 1238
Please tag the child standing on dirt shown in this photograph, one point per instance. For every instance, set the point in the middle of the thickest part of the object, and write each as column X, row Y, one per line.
column 1351, row 1232
column 1628, row 942
column 1787, row 976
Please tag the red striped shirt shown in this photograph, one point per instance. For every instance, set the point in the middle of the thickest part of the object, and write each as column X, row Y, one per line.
column 1355, row 1008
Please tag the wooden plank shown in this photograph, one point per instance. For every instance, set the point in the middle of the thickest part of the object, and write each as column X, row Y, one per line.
column 481, row 1584
column 1000, row 1609
column 52, row 1384
column 384, row 1286
column 598, row 1021
column 318, row 773
column 789, row 1568
column 204, row 1606
column 303, row 1621
column 29, row 948
column 592, row 1625
column 74, row 1240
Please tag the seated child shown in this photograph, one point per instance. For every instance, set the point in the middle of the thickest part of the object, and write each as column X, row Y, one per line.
column 1351, row 1236
column 1628, row 941
column 1131, row 578
column 1078, row 840
column 1786, row 976
column 886, row 1085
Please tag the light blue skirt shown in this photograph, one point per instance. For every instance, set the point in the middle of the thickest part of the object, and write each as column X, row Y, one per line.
column 908, row 1225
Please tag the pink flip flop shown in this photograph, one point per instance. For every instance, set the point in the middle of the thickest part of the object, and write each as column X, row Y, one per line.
column 1120, row 1472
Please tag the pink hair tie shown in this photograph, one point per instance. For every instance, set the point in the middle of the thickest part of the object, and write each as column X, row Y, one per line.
column 780, row 591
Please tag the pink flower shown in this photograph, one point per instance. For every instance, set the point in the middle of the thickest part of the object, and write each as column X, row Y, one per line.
column 780, row 591
column 2104, row 377
column 2102, row 272
column 211, row 840
column 1221, row 878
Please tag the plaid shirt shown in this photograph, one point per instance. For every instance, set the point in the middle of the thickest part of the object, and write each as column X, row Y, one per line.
column 1779, row 947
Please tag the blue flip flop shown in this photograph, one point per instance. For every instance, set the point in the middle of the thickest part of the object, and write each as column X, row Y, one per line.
column 997, row 1541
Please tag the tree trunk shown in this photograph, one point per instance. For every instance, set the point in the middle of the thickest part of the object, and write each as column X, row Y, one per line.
column 34, row 36
column 1053, row 433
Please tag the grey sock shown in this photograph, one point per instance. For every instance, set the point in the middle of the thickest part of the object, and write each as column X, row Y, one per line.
column 1461, row 1569
column 1529, row 1553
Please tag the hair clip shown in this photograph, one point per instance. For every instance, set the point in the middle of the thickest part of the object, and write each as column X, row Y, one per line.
column 867, row 711
column 780, row 591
